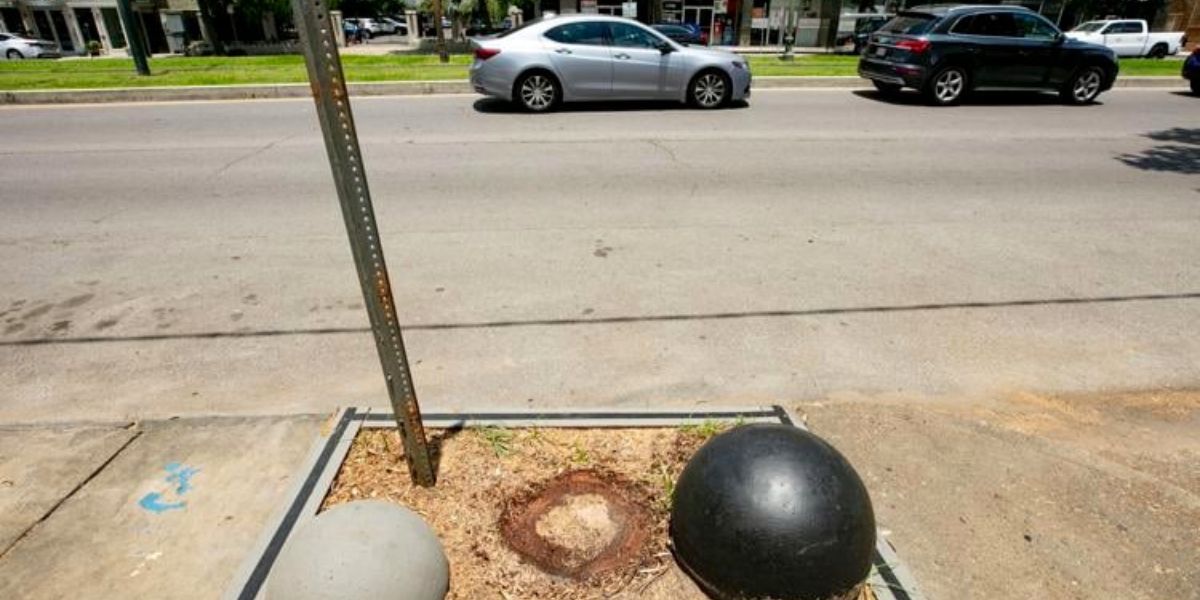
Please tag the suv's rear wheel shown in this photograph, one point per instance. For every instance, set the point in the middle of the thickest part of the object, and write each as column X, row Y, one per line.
column 947, row 86
column 887, row 89
column 1084, row 86
column 537, row 91
column 1196, row 86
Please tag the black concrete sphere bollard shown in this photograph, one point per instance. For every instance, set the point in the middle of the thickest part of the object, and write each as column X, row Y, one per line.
column 772, row 511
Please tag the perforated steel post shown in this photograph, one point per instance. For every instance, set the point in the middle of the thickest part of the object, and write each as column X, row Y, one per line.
column 318, row 39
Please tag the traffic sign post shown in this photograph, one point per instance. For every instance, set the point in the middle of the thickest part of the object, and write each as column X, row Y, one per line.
column 319, row 41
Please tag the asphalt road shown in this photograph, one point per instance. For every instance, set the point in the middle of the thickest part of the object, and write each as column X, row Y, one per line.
column 188, row 259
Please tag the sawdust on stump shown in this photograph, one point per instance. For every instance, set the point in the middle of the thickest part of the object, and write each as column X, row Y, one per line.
column 581, row 524
column 610, row 524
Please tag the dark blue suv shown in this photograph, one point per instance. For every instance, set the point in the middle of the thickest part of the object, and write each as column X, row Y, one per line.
column 945, row 53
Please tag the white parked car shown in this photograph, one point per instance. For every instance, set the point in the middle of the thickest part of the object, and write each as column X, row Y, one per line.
column 15, row 47
column 1128, row 37
column 373, row 27
column 398, row 27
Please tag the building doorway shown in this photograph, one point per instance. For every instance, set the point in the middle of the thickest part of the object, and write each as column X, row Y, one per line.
column 12, row 20
column 702, row 17
column 52, row 26
column 112, row 23
column 156, row 36
column 87, row 25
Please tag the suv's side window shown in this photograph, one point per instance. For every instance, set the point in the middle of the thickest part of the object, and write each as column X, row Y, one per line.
column 1035, row 28
column 590, row 33
column 999, row 24
column 631, row 36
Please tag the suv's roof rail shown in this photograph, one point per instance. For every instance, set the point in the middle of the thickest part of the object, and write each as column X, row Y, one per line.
column 943, row 9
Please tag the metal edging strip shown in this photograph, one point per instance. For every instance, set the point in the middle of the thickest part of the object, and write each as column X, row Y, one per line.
column 889, row 578
column 254, row 572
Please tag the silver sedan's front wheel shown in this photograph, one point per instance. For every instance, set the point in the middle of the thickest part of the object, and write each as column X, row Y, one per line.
column 538, row 92
column 709, row 90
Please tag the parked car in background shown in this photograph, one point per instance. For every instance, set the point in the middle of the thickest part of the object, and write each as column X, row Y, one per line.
column 15, row 47
column 593, row 57
column 946, row 52
column 855, row 29
column 428, row 30
column 1191, row 70
column 1129, row 37
column 479, row 27
column 373, row 27
column 399, row 26
column 679, row 33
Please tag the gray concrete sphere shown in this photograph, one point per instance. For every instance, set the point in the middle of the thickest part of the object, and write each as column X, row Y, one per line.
column 367, row 550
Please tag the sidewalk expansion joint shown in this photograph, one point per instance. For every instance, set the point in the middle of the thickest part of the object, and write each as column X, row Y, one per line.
column 95, row 472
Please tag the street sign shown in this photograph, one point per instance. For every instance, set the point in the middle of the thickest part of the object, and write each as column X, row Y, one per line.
column 328, row 83
column 629, row 10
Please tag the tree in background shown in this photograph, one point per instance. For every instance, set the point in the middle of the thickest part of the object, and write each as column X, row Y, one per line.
column 1084, row 10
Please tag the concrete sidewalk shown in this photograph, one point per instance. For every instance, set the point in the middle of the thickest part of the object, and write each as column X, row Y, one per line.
column 1024, row 496
column 165, row 509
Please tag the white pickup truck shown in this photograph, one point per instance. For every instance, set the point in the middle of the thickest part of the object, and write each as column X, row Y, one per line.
column 1128, row 37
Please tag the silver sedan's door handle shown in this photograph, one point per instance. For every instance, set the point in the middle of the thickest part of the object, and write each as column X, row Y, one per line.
column 621, row 56
column 562, row 50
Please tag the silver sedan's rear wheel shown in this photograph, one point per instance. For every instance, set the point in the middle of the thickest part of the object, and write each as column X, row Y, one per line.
column 538, row 92
column 14, row 54
column 709, row 89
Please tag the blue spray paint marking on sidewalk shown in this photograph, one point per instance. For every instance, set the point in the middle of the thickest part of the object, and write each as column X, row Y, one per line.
column 153, row 503
column 179, row 478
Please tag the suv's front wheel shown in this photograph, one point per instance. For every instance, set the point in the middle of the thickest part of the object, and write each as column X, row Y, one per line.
column 1084, row 86
column 947, row 86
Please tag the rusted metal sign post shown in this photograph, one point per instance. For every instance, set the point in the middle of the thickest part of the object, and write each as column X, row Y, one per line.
column 318, row 39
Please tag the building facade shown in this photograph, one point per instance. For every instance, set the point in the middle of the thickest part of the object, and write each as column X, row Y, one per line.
column 167, row 25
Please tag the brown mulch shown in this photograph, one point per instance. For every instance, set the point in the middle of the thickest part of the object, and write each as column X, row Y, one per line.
column 480, row 470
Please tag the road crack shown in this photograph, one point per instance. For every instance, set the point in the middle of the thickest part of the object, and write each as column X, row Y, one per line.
column 253, row 153
column 661, row 146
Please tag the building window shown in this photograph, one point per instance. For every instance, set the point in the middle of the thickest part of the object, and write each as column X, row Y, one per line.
column 113, row 24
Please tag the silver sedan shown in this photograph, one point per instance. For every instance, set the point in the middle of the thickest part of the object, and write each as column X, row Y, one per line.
column 15, row 46
column 577, row 58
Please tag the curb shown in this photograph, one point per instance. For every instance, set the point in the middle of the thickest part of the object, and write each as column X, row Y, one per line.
column 407, row 88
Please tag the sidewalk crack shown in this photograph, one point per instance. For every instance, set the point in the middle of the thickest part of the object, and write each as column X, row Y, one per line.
column 95, row 472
